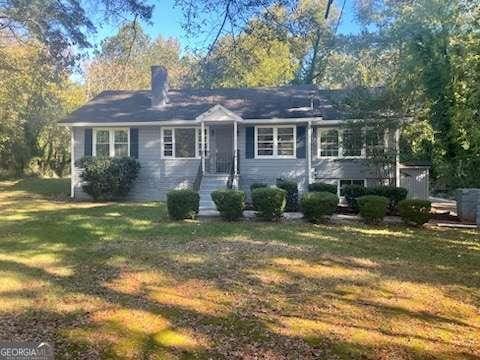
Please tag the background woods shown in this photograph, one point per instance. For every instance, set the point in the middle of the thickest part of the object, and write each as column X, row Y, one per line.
column 424, row 55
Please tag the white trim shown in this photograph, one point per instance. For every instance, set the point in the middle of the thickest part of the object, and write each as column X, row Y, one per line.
column 275, row 142
column 197, row 143
column 340, row 133
column 318, row 121
column 72, row 162
column 111, row 140
column 397, row 158
column 293, row 121
column 319, row 144
column 202, row 145
column 210, row 116
column 309, row 153
column 235, row 149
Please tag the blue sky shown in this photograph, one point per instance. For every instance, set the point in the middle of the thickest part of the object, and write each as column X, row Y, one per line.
column 167, row 22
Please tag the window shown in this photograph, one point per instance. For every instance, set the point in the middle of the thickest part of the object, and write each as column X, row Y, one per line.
column 183, row 142
column 374, row 141
column 111, row 142
column 265, row 142
column 102, row 145
column 328, row 143
column 120, row 143
column 344, row 182
column 278, row 141
column 285, row 141
column 352, row 142
column 168, row 142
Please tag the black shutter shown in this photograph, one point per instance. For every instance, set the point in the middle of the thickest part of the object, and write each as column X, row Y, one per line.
column 301, row 142
column 88, row 142
column 249, row 142
column 134, row 143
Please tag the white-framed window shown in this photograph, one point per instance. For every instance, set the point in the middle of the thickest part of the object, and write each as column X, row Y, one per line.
column 352, row 143
column 343, row 182
column 349, row 143
column 374, row 141
column 183, row 142
column 111, row 142
column 167, row 142
column 328, row 142
column 275, row 141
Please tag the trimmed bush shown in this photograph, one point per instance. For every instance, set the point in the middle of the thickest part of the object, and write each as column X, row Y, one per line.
column 317, row 205
column 230, row 203
column 372, row 208
column 415, row 211
column 291, row 187
column 257, row 186
column 183, row 204
column 352, row 193
column 269, row 202
column 108, row 178
column 323, row 187
column 393, row 193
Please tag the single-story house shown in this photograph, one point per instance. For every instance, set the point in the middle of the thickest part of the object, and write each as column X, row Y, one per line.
column 210, row 138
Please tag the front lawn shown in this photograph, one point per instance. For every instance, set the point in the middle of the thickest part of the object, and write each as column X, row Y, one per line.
column 122, row 281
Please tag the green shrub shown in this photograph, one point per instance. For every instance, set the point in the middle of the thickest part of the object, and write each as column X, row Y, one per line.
column 415, row 211
column 372, row 208
column 353, row 192
column 182, row 204
column 108, row 178
column 291, row 187
column 269, row 202
column 393, row 193
column 323, row 187
column 229, row 203
column 316, row 205
column 257, row 186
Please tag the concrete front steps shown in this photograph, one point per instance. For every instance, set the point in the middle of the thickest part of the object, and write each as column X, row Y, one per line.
column 210, row 183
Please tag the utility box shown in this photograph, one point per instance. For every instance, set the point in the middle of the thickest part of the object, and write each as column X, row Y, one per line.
column 468, row 205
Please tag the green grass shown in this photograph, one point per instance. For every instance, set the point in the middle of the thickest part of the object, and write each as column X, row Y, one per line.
column 122, row 281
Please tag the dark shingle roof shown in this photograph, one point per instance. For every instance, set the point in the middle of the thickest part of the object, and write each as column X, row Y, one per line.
column 248, row 103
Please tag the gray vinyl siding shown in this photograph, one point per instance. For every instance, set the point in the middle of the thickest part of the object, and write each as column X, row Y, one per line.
column 268, row 170
column 157, row 176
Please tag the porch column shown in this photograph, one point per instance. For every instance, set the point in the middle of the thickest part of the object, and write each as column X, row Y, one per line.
column 202, row 145
column 309, row 153
column 235, row 149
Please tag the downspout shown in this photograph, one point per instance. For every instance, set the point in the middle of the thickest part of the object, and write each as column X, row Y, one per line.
column 235, row 155
column 309, row 153
column 397, row 157
column 202, row 145
column 72, row 163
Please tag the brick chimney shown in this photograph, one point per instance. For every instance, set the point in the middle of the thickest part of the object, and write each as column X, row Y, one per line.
column 159, row 86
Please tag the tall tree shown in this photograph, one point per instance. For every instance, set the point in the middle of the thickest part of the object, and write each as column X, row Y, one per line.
column 123, row 61
column 61, row 25
column 33, row 98
column 256, row 57
column 431, row 41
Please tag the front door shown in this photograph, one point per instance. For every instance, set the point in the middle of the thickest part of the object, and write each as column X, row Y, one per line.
column 221, row 149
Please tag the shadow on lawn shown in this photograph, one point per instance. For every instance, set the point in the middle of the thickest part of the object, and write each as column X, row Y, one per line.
column 130, row 271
